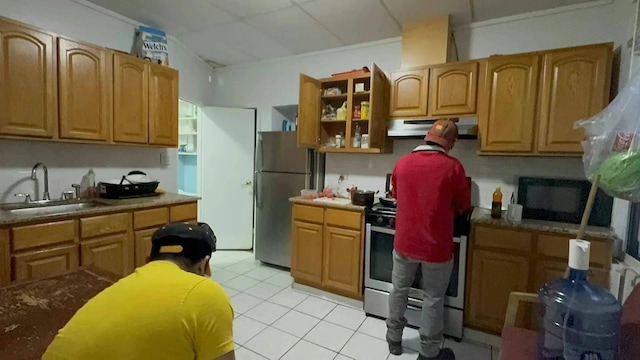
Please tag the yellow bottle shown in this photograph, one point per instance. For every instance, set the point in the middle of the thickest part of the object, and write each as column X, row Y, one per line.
column 496, row 204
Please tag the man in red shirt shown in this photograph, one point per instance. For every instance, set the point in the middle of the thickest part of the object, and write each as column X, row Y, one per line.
column 431, row 188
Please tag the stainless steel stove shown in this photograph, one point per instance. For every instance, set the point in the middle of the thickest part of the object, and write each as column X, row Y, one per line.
column 380, row 231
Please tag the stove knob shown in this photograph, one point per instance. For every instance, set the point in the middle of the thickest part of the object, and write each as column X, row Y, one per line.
column 379, row 220
column 392, row 223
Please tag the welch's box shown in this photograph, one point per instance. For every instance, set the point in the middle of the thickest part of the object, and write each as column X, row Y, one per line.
column 151, row 44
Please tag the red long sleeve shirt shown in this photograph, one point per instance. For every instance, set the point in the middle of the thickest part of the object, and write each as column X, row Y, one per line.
column 431, row 188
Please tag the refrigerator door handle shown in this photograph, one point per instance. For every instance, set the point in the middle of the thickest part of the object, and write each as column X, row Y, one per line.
column 256, row 187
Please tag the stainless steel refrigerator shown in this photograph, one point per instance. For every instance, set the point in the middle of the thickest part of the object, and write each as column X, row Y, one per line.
column 282, row 170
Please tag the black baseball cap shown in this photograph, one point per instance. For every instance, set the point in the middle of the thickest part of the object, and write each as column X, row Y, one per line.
column 193, row 242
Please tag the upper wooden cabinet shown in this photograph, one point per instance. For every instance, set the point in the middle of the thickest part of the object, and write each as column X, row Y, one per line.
column 163, row 106
column 83, row 85
column 507, row 107
column 27, row 81
column 130, row 99
column 317, row 128
column 409, row 93
column 575, row 86
column 453, row 89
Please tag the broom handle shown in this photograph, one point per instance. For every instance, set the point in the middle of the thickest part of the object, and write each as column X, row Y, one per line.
column 587, row 209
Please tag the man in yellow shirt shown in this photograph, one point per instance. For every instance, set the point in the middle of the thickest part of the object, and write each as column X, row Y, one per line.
column 166, row 309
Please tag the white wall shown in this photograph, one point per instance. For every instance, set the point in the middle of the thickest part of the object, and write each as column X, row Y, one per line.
column 275, row 82
column 67, row 163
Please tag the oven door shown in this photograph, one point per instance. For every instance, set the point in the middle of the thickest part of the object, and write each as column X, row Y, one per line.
column 379, row 266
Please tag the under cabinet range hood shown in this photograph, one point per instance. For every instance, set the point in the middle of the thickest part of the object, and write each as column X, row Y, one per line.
column 418, row 128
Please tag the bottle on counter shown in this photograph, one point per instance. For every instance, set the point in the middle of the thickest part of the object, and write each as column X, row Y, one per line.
column 496, row 204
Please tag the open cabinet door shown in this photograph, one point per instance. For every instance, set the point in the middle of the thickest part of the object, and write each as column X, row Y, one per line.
column 309, row 112
column 379, row 108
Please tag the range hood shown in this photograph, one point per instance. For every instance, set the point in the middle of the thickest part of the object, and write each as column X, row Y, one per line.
column 418, row 128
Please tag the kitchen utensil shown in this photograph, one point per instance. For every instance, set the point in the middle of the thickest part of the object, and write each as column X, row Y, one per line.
column 363, row 197
column 514, row 212
column 134, row 184
column 389, row 202
column 387, row 186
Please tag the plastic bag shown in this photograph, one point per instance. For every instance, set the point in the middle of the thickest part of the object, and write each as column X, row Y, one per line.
column 612, row 145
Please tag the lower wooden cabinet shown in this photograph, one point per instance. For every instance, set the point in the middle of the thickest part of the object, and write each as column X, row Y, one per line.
column 494, row 276
column 342, row 252
column 326, row 249
column 108, row 253
column 44, row 263
column 143, row 246
column 502, row 260
column 306, row 251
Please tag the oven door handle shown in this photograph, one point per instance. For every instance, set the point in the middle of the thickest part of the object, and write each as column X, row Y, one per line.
column 383, row 230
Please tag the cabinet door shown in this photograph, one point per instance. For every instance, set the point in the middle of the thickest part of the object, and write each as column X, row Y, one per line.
column 28, row 105
column 143, row 246
column 342, row 250
column 83, row 87
column 306, row 252
column 575, row 85
column 163, row 106
column 130, row 99
column 108, row 253
column 379, row 108
column 409, row 93
column 45, row 263
column 493, row 277
column 309, row 112
column 508, row 104
column 453, row 89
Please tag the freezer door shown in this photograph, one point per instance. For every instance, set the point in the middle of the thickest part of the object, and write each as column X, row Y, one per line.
column 273, row 216
column 279, row 152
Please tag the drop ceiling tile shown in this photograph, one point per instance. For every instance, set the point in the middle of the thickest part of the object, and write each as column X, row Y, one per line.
column 354, row 21
column 244, row 8
column 295, row 30
column 491, row 9
column 200, row 42
column 406, row 11
column 128, row 8
column 190, row 15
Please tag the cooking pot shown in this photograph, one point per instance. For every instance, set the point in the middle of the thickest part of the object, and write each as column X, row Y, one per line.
column 363, row 197
column 388, row 202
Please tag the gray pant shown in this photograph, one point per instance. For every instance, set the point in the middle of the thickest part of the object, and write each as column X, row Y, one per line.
column 435, row 280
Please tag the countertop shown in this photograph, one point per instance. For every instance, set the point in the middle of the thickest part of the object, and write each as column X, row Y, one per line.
column 483, row 216
column 7, row 218
column 351, row 207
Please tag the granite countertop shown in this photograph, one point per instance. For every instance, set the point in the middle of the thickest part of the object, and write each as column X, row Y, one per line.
column 483, row 216
column 327, row 203
column 109, row 206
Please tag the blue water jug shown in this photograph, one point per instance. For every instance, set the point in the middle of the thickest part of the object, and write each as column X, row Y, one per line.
column 581, row 321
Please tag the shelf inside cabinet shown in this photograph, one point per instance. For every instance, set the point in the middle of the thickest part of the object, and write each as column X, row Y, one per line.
column 359, row 119
column 335, row 97
column 333, row 121
column 361, row 95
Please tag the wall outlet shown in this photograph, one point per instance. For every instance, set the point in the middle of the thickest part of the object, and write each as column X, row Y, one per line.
column 164, row 159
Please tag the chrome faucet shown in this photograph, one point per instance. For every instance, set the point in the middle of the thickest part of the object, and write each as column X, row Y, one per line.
column 45, row 196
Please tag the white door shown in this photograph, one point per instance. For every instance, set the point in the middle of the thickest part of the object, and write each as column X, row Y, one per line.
column 227, row 150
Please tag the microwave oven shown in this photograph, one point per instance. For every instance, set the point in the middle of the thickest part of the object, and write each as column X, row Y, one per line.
column 562, row 200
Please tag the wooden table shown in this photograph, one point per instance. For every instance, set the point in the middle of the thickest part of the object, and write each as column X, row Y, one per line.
column 32, row 313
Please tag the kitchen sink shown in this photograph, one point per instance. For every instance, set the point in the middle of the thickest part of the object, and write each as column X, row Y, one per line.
column 50, row 207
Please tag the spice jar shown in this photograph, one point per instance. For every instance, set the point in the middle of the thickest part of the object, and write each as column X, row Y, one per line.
column 356, row 112
column 364, row 113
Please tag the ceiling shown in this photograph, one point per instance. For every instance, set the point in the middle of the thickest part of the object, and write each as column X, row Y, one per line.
column 226, row 32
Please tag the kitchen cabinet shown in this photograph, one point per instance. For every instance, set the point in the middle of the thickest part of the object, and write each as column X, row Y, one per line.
column 84, row 91
column 306, row 251
column 493, row 277
column 130, row 99
column 39, row 264
column 317, row 129
column 506, row 259
column 453, row 88
column 163, row 106
column 327, row 249
column 116, row 242
column 409, row 93
column 575, row 86
column 28, row 103
column 507, row 107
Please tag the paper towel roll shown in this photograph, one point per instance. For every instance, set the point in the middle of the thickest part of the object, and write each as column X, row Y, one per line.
column 579, row 251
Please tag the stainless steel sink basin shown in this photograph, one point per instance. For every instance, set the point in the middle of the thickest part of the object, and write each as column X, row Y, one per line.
column 50, row 207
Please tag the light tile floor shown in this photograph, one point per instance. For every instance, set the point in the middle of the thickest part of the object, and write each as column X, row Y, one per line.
column 275, row 322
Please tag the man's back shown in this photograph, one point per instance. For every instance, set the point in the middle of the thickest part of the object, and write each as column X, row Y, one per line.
column 430, row 187
column 158, row 312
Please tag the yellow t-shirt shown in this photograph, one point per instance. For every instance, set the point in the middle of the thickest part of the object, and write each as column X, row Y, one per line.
column 158, row 312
